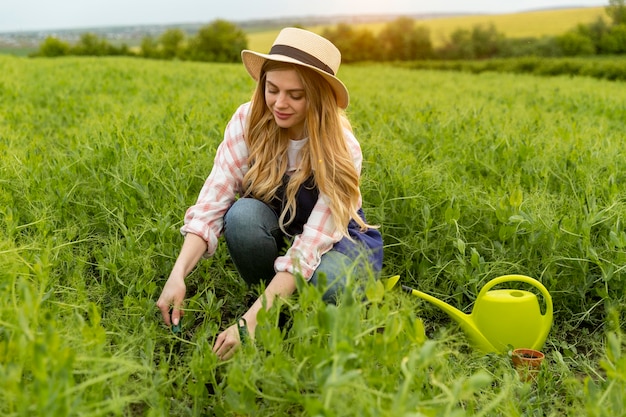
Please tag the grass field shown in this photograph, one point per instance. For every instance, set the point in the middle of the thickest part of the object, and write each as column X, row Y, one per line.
column 17, row 51
column 470, row 177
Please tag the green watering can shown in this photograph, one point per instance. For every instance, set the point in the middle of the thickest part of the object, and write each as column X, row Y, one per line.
column 500, row 317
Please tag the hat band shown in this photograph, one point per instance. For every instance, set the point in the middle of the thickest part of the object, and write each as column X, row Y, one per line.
column 301, row 56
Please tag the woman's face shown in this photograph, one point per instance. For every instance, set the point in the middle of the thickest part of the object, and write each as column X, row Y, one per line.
column 285, row 97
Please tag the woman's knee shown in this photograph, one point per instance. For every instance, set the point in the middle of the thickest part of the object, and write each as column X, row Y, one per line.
column 249, row 231
column 248, row 217
column 336, row 272
column 241, row 213
column 331, row 276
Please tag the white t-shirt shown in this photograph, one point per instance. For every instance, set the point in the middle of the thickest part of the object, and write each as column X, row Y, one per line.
column 293, row 154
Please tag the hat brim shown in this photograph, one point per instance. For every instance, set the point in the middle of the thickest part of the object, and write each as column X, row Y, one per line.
column 253, row 62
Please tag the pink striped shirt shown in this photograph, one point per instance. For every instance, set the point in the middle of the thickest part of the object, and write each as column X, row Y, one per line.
column 206, row 217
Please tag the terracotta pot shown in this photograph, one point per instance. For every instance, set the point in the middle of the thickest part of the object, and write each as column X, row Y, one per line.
column 528, row 363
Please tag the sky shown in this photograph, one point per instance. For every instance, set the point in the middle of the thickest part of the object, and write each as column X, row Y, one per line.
column 28, row 15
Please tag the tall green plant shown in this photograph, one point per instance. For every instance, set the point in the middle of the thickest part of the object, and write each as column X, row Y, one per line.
column 469, row 176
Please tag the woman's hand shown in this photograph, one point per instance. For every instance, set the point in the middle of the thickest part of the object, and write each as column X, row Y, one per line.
column 282, row 285
column 227, row 343
column 173, row 295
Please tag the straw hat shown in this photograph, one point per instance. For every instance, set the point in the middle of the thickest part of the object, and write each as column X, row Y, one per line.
column 301, row 47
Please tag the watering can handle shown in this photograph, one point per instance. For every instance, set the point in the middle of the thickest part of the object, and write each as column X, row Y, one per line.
column 521, row 278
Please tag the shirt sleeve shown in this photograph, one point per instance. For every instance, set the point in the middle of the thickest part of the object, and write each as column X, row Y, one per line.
column 206, row 217
column 320, row 233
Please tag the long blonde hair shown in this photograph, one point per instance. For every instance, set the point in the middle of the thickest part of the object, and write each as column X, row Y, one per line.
column 326, row 156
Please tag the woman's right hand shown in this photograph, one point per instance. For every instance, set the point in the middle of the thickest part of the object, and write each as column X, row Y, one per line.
column 173, row 293
column 172, row 296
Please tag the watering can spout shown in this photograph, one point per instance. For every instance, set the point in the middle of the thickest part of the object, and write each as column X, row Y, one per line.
column 464, row 320
column 501, row 318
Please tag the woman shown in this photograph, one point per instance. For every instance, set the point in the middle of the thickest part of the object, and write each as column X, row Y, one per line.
column 284, row 188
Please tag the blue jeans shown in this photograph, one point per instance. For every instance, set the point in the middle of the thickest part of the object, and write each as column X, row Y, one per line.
column 254, row 241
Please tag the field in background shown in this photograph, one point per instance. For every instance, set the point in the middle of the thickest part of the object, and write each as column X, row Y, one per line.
column 469, row 176
column 515, row 25
column 519, row 25
column 526, row 24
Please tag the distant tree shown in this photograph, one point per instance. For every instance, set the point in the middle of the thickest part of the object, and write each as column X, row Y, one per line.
column 459, row 46
column 617, row 11
column 91, row 44
column 367, row 45
column 402, row 40
column 574, row 43
column 614, row 41
column 171, row 42
column 355, row 45
column 343, row 38
column 486, row 41
column 221, row 41
column 548, row 46
column 120, row 50
column 481, row 42
column 52, row 47
column 595, row 31
column 149, row 47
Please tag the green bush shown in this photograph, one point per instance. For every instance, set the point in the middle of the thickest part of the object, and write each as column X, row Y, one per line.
column 402, row 40
column 546, row 46
column 608, row 68
column 614, row 42
column 574, row 44
column 149, row 47
column 52, row 47
column 172, row 43
column 355, row 44
column 91, row 44
column 221, row 41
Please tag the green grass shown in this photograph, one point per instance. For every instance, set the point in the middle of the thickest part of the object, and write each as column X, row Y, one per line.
column 603, row 67
column 470, row 176
column 17, row 51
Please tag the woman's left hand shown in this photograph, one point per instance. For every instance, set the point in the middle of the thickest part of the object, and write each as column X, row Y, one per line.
column 283, row 284
column 227, row 343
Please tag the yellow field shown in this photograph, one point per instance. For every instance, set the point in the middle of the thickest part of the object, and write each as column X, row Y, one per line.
column 519, row 25
column 262, row 41
column 515, row 25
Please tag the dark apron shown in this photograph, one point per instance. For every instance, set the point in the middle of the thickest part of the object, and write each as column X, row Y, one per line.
column 306, row 198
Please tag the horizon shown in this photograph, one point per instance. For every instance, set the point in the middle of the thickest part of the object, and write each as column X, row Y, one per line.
column 24, row 16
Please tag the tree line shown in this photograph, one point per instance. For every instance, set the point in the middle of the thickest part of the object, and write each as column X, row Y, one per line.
column 219, row 41
column 400, row 40
column 405, row 40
